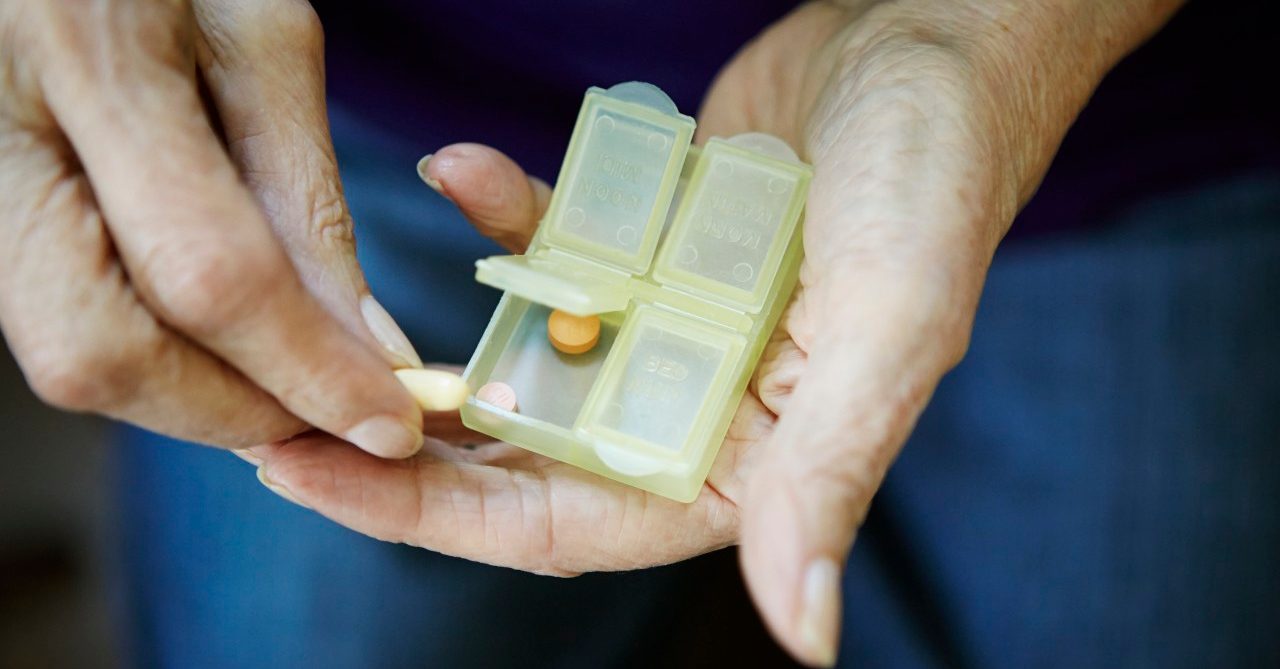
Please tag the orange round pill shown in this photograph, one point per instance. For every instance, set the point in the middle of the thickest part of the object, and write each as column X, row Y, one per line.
column 573, row 334
column 498, row 394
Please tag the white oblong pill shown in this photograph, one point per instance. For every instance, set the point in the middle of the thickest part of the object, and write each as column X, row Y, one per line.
column 434, row 389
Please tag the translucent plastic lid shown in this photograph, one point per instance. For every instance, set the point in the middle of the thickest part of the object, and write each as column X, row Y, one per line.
column 618, row 176
column 739, row 209
column 557, row 281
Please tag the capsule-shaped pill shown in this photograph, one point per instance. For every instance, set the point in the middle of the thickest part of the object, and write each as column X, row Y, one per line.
column 434, row 389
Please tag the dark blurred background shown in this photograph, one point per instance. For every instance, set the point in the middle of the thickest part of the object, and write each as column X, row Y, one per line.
column 54, row 516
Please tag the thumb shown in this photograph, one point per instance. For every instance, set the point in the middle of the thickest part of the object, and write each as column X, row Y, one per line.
column 264, row 64
column 870, row 371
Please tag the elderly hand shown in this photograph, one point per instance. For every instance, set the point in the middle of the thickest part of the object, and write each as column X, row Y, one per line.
column 175, row 250
column 928, row 124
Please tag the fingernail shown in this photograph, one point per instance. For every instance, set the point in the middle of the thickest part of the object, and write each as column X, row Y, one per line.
column 277, row 488
column 244, row 454
column 820, row 612
column 388, row 334
column 426, row 178
column 385, row 436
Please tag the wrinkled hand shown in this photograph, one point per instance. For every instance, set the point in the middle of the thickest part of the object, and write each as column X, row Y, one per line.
column 175, row 250
column 926, row 137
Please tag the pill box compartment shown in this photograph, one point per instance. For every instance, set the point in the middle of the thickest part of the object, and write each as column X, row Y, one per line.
column 642, row 406
column 648, row 410
column 550, row 386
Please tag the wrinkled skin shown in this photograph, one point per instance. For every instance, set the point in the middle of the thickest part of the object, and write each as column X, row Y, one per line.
column 184, row 262
column 928, row 125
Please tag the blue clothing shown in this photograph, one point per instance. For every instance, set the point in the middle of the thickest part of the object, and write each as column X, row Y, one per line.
column 1097, row 484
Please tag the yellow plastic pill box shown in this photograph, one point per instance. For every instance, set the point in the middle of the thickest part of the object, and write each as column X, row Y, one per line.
column 688, row 257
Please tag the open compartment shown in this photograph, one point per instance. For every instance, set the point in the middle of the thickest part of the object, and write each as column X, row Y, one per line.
column 551, row 387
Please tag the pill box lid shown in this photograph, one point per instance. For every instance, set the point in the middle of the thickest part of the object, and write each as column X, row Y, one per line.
column 619, row 174
column 735, row 221
column 558, row 280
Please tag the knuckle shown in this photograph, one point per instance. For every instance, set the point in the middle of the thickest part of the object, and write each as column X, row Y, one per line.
column 330, row 221
column 164, row 34
column 859, row 450
column 307, row 477
column 254, row 33
column 848, row 484
column 297, row 23
column 895, row 49
column 203, row 292
column 75, row 35
column 293, row 23
column 80, row 376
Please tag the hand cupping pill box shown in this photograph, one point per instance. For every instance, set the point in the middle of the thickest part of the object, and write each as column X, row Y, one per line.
column 630, row 328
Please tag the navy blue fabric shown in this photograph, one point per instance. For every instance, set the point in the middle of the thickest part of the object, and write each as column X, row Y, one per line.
column 1098, row 483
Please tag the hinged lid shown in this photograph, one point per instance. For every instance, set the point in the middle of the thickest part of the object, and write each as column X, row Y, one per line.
column 557, row 280
column 618, row 177
column 735, row 221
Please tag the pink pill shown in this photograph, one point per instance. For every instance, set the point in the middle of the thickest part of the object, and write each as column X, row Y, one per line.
column 499, row 395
